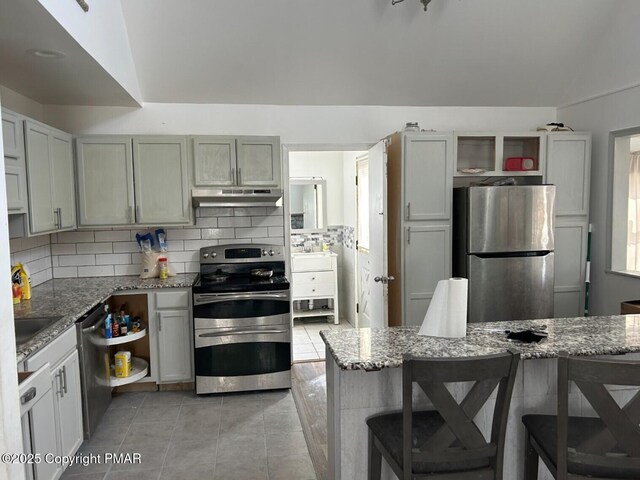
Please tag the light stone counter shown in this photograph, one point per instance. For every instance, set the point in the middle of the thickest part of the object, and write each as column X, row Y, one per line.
column 363, row 378
column 70, row 298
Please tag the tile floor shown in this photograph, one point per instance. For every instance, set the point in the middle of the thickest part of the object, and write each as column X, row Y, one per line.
column 182, row 436
column 307, row 343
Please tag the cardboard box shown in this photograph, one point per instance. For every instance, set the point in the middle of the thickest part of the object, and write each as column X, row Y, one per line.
column 630, row 307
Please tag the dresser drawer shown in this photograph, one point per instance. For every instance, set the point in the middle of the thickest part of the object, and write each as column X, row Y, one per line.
column 313, row 277
column 308, row 263
column 309, row 290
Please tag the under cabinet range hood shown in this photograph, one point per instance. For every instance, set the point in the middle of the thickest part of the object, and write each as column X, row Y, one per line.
column 236, row 197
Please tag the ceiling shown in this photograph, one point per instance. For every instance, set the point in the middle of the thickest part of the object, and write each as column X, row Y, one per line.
column 364, row 52
column 332, row 52
column 75, row 79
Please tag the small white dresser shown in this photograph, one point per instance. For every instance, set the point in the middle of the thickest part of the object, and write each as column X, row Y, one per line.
column 315, row 277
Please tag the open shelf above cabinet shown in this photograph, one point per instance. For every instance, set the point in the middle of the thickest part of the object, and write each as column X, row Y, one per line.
column 486, row 154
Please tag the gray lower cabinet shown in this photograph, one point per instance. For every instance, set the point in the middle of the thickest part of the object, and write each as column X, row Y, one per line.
column 56, row 420
column 15, row 169
column 126, row 180
column 247, row 161
column 174, row 332
column 50, row 178
column 569, row 169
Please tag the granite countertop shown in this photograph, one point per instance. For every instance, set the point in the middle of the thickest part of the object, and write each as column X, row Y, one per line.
column 70, row 298
column 376, row 348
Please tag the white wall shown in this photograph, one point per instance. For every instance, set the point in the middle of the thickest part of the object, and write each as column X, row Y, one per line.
column 102, row 32
column 327, row 165
column 20, row 104
column 294, row 124
column 601, row 116
column 10, row 429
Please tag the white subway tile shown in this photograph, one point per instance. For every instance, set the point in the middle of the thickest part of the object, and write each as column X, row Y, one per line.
column 234, row 222
column 192, row 267
column 249, row 211
column 76, row 260
column 94, row 247
column 183, row 234
column 127, row 269
column 15, row 244
column 75, row 237
column 176, row 268
column 234, row 241
column 269, row 241
column 136, row 259
column 40, row 277
column 113, row 259
column 63, row 249
column 214, row 212
column 209, row 233
column 198, row 244
column 54, row 261
column 276, row 231
column 275, row 211
column 113, row 236
column 251, row 232
column 183, row 256
column 267, row 221
column 125, row 247
column 207, row 222
column 100, row 271
column 53, row 238
column 65, row 272
column 177, row 245
column 39, row 265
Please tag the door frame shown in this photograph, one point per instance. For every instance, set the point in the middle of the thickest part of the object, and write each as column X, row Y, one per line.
column 287, row 148
column 356, row 276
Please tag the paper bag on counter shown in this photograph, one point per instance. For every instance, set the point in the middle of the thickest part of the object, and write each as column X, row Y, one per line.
column 447, row 313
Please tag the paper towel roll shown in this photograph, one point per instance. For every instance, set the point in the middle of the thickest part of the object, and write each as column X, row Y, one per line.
column 447, row 313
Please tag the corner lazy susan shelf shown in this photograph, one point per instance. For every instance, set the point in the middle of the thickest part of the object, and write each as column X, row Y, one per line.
column 139, row 366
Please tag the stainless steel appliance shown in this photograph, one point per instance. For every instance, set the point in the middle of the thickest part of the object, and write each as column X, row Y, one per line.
column 241, row 316
column 236, row 197
column 503, row 242
column 94, row 367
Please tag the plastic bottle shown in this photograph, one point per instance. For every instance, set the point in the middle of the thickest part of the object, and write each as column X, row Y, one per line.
column 107, row 326
column 164, row 268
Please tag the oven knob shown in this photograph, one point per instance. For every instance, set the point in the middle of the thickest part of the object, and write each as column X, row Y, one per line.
column 271, row 253
column 205, row 255
column 264, row 253
column 214, row 254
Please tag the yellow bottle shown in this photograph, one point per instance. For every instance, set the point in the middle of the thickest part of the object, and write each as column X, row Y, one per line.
column 26, row 282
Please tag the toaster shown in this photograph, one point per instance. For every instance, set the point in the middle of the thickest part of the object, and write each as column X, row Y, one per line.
column 519, row 164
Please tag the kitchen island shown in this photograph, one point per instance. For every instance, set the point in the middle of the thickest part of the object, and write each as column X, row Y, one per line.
column 363, row 378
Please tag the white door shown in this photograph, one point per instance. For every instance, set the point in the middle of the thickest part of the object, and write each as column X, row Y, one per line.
column 379, row 277
column 64, row 188
column 41, row 212
column 69, row 406
column 363, row 267
column 174, row 341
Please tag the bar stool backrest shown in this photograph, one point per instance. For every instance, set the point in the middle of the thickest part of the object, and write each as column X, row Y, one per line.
column 617, row 445
column 459, row 438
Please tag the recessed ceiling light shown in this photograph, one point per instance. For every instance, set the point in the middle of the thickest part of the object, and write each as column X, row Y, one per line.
column 39, row 52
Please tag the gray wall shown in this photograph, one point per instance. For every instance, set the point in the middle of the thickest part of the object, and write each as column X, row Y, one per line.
column 600, row 116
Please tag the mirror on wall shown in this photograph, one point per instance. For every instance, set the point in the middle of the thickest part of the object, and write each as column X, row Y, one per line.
column 308, row 205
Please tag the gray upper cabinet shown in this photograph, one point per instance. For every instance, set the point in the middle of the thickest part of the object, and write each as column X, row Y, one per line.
column 215, row 160
column 15, row 169
column 126, row 181
column 50, row 178
column 428, row 177
column 105, row 181
column 259, row 161
column 568, row 167
column 224, row 161
column 161, row 173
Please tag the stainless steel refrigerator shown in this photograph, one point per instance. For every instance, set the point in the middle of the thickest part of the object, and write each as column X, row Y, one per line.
column 503, row 241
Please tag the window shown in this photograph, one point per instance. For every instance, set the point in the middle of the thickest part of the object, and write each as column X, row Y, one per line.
column 362, row 193
column 625, row 202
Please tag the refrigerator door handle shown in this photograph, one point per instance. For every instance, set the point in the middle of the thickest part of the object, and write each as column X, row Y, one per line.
column 539, row 253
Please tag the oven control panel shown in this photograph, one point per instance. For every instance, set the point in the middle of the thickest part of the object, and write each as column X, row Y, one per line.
column 241, row 253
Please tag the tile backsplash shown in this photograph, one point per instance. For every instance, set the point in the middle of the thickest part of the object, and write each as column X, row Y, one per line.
column 97, row 253
column 333, row 236
column 35, row 253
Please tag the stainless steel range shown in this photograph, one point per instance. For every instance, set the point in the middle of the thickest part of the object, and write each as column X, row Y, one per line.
column 242, row 321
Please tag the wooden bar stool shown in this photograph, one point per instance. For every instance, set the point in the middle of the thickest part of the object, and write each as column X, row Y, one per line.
column 445, row 443
column 603, row 447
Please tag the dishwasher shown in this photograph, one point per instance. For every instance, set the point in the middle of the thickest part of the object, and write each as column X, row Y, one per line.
column 94, row 367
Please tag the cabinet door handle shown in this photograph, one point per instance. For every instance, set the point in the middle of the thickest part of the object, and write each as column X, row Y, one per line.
column 64, row 379
column 408, row 235
column 56, row 221
column 59, row 213
column 59, row 381
column 27, row 397
column 239, row 176
column 408, row 211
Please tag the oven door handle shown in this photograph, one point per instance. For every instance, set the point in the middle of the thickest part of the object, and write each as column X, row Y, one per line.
column 240, row 332
column 203, row 299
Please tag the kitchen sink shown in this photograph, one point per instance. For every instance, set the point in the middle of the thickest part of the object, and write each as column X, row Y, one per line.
column 27, row 328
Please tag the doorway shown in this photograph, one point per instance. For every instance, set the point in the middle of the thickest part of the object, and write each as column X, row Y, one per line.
column 363, row 263
column 327, row 175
